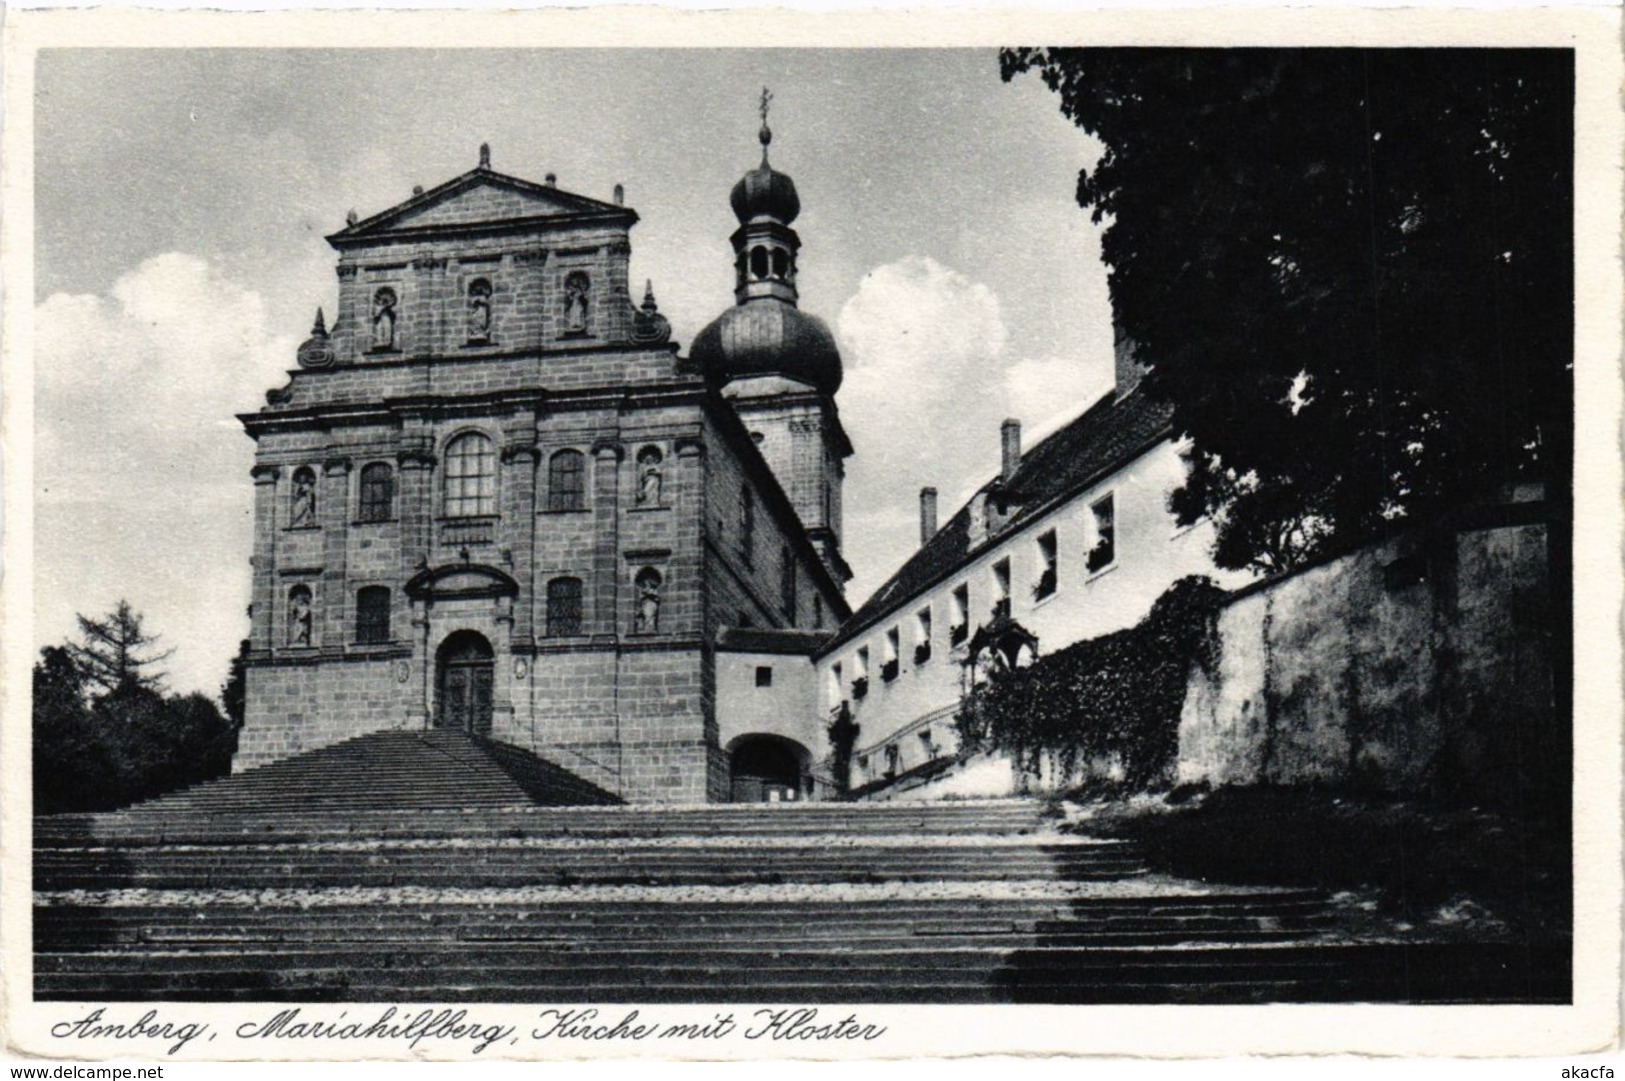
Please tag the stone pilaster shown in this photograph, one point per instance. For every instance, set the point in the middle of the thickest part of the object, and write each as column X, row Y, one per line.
column 263, row 597
column 606, row 541
column 334, row 513
column 517, row 530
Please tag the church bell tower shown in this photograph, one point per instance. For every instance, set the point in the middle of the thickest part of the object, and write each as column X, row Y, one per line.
column 776, row 364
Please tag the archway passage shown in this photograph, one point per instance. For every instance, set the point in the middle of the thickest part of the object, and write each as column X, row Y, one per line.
column 463, row 674
column 766, row 769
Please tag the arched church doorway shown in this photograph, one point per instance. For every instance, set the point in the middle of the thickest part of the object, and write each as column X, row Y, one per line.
column 463, row 671
column 766, row 769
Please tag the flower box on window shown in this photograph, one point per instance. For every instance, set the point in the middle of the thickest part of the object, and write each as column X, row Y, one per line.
column 888, row 671
column 1045, row 585
column 922, row 652
column 860, row 687
column 1001, row 608
column 958, row 633
column 1100, row 556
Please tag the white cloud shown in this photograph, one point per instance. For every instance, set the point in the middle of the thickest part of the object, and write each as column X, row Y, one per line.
column 141, row 469
column 922, row 399
column 927, row 385
column 1045, row 392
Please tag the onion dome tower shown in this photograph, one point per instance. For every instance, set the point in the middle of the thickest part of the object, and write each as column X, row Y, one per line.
column 777, row 364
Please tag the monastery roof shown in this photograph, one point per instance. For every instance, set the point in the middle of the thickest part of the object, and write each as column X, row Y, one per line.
column 1105, row 437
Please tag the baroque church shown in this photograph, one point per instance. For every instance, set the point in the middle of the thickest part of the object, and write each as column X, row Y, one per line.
column 496, row 498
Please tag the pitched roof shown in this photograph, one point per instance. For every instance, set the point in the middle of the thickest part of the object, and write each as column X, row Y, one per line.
column 769, row 640
column 1106, row 436
column 438, row 208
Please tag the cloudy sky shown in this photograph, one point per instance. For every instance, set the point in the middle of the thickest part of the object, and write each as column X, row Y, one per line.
column 182, row 197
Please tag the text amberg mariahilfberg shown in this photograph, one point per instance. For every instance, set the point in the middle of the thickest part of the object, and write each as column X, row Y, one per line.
column 445, row 1025
column 794, row 1023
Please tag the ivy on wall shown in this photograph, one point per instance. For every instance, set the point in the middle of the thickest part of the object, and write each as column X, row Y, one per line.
column 1116, row 698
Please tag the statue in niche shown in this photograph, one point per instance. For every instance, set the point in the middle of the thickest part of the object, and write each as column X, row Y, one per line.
column 576, row 288
column 479, row 310
column 383, row 319
column 299, row 621
column 649, row 477
column 303, row 514
column 647, row 620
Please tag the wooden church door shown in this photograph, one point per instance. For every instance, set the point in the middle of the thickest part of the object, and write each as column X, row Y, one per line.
column 464, row 691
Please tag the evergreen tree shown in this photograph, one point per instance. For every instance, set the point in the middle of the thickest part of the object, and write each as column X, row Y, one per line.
column 115, row 653
column 1349, row 271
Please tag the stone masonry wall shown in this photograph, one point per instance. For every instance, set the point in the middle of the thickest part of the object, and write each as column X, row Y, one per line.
column 1420, row 664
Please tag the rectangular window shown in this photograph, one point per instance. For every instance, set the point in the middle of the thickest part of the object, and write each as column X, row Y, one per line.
column 567, row 481
column 377, row 493
column 922, row 636
column 787, row 584
column 471, row 477
column 860, row 673
column 836, row 690
column 563, row 607
column 889, row 663
column 1047, row 568
column 372, row 615
column 1001, row 589
column 747, row 527
column 1104, row 551
column 764, row 675
column 959, row 629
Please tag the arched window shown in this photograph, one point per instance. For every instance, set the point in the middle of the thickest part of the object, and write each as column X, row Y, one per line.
column 567, row 481
column 758, row 262
column 781, row 263
column 563, row 607
column 372, row 615
column 377, row 493
column 302, row 502
column 471, row 477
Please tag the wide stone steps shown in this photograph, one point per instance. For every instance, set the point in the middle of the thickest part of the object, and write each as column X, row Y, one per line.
column 1212, row 974
column 250, row 867
column 347, row 876
column 396, row 769
column 613, row 926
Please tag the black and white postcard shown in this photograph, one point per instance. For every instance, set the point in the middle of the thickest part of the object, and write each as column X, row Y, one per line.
column 763, row 535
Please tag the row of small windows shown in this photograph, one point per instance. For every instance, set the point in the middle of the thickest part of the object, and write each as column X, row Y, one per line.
column 1102, row 554
column 564, row 610
column 469, row 484
column 574, row 319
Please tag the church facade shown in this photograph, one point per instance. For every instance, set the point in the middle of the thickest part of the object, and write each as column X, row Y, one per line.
column 495, row 498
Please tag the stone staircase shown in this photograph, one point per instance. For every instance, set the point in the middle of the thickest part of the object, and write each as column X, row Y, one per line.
column 233, row 892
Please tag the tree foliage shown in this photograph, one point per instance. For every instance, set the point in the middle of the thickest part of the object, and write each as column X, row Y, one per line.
column 104, row 737
column 114, row 653
column 1110, row 700
column 1348, row 270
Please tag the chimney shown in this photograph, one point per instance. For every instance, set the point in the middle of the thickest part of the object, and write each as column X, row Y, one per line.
column 620, row 195
column 928, row 514
column 551, row 180
column 1010, row 444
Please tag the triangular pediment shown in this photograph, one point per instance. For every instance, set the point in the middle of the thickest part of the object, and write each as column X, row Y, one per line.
column 476, row 199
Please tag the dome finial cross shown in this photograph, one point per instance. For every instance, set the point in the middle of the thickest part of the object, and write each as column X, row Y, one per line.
column 766, row 134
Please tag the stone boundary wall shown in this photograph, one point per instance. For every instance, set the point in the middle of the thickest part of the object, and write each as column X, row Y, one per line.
column 1427, row 663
